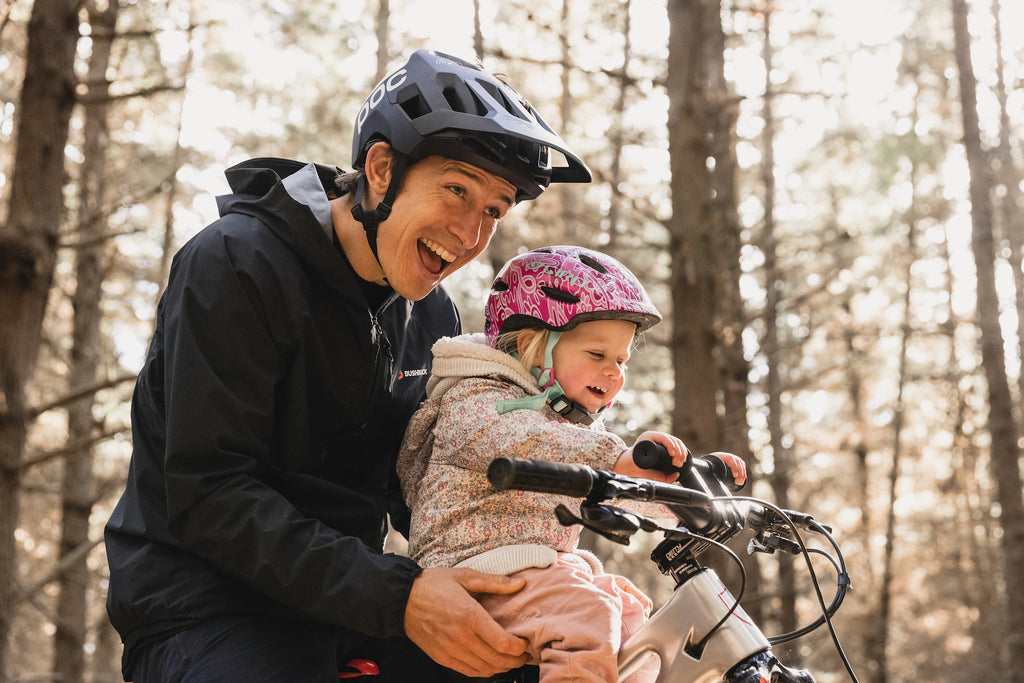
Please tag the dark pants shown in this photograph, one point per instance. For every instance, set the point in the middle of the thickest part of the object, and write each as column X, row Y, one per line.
column 251, row 649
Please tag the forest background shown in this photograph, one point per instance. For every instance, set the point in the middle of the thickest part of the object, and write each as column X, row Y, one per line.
column 823, row 197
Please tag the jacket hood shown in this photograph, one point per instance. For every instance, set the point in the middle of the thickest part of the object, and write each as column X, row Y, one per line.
column 470, row 355
column 292, row 199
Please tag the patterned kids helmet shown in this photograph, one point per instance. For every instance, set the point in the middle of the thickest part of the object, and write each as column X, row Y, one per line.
column 443, row 105
column 560, row 287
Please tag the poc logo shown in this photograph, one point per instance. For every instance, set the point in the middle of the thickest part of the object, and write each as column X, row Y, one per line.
column 393, row 81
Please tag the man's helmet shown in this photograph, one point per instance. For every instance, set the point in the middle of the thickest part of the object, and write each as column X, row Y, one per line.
column 559, row 287
column 439, row 104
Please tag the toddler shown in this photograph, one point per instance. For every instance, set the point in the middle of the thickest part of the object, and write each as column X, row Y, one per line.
column 560, row 327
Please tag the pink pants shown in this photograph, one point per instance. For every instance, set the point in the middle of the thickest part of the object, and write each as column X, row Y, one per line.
column 575, row 620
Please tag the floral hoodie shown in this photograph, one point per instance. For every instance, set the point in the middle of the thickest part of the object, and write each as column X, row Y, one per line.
column 452, row 438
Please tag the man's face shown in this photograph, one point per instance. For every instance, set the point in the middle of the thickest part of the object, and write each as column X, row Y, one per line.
column 443, row 217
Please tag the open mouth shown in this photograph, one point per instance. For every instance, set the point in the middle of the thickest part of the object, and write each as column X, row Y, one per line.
column 435, row 258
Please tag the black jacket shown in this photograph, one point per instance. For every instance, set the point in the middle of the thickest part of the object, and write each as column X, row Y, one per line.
column 266, row 421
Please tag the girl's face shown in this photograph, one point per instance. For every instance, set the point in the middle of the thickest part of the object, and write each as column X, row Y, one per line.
column 590, row 361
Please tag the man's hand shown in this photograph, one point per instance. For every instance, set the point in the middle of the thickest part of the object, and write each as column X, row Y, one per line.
column 444, row 619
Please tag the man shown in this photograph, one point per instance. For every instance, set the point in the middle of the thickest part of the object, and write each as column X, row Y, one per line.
column 292, row 345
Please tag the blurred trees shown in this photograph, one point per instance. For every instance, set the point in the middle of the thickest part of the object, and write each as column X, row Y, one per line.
column 28, row 255
column 789, row 178
column 1003, row 426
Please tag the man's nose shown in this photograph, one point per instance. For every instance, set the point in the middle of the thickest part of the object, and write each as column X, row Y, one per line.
column 467, row 228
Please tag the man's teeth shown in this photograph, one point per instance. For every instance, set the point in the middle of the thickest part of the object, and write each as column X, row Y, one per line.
column 439, row 250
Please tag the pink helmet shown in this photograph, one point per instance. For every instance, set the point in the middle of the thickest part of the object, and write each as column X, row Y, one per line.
column 560, row 287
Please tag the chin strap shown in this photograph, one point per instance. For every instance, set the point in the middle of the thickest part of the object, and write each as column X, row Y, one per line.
column 371, row 220
column 551, row 392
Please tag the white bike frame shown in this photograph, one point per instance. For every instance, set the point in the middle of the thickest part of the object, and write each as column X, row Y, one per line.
column 693, row 610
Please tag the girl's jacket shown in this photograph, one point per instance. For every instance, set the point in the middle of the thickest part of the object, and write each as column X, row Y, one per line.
column 457, row 517
column 265, row 424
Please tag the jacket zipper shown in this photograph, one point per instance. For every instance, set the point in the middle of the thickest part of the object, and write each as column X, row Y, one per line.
column 382, row 361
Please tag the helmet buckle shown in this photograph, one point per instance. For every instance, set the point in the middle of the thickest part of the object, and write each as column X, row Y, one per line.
column 571, row 410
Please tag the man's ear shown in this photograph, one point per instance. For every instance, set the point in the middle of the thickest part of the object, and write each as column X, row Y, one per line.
column 378, row 168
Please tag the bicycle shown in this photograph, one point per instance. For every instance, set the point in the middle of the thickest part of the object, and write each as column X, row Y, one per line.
column 701, row 634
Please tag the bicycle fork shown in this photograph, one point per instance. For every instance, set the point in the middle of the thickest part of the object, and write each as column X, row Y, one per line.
column 736, row 653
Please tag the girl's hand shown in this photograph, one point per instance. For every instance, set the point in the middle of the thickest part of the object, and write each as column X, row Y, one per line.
column 676, row 449
column 735, row 464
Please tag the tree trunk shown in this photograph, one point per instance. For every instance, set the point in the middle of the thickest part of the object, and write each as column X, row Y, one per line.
column 780, row 473
column 1005, row 456
column 616, row 136
column 693, row 273
column 478, row 32
column 381, row 29
column 728, row 244
column 570, row 194
column 972, row 502
column 1012, row 204
column 28, row 244
column 78, row 491
column 730, row 310
column 879, row 656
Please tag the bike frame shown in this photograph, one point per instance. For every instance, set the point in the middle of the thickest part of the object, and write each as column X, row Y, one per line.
column 672, row 632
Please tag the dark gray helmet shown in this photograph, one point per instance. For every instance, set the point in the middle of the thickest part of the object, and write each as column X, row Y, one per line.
column 443, row 105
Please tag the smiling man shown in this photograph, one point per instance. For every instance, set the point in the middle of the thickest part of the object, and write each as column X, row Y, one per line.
column 292, row 346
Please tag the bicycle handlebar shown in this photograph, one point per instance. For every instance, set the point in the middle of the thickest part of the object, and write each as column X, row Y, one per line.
column 581, row 481
column 705, row 518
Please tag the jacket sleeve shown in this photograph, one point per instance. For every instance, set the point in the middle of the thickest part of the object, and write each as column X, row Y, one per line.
column 222, row 371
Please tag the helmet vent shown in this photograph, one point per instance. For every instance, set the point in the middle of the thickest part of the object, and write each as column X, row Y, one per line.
column 593, row 263
column 561, row 295
column 415, row 106
column 506, row 104
column 459, row 102
column 499, row 286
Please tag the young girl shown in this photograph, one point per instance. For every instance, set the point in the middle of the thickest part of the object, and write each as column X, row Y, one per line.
column 560, row 326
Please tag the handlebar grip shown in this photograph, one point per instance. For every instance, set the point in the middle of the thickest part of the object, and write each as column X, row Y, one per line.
column 653, row 456
column 543, row 477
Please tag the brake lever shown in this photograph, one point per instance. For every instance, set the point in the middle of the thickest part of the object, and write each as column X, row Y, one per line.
column 761, row 517
column 611, row 522
column 769, row 543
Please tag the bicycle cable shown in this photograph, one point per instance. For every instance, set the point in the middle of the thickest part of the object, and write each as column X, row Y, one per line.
column 826, row 610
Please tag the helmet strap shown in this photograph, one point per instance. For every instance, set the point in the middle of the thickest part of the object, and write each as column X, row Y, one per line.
column 552, row 392
column 371, row 220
